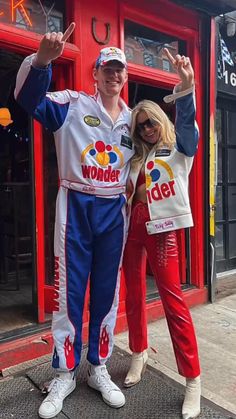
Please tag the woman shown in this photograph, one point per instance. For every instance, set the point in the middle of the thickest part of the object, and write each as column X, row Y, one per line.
column 158, row 188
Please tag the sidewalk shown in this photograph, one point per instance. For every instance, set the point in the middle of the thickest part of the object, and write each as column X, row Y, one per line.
column 215, row 326
column 160, row 393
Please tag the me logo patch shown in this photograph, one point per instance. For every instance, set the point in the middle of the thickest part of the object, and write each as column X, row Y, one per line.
column 92, row 121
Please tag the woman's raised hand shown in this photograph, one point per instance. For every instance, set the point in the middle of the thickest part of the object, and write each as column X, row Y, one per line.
column 184, row 68
column 51, row 46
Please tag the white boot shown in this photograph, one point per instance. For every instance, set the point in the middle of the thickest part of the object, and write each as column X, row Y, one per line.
column 60, row 387
column 191, row 406
column 137, row 368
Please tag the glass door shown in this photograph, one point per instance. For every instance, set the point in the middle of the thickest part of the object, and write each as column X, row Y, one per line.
column 18, row 299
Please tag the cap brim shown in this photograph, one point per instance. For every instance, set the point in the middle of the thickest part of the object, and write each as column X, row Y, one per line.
column 113, row 60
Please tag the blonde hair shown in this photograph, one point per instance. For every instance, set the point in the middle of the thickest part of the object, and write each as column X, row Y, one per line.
column 167, row 131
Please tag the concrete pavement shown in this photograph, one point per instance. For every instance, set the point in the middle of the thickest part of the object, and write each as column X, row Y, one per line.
column 215, row 326
column 160, row 393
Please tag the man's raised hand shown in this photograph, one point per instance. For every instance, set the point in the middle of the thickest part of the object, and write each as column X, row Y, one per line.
column 51, row 46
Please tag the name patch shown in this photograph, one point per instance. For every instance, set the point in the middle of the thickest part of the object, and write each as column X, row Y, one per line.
column 162, row 152
column 158, row 227
column 126, row 142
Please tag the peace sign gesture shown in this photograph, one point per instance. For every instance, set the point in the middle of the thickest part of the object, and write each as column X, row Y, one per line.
column 184, row 69
column 51, row 46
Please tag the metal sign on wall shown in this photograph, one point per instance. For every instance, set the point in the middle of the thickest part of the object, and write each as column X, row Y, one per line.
column 226, row 64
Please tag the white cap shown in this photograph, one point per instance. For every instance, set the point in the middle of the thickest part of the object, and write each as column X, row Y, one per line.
column 111, row 54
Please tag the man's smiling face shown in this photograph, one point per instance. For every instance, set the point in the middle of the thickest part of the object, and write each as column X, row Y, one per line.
column 111, row 78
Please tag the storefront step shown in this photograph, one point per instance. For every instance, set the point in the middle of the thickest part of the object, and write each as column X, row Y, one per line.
column 21, row 350
column 26, row 349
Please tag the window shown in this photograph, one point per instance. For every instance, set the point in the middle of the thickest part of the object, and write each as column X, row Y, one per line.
column 144, row 46
column 38, row 16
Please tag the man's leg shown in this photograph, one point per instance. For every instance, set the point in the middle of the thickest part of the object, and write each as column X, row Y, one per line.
column 73, row 242
column 104, row 294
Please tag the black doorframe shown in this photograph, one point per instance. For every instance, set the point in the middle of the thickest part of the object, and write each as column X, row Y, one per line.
column 226, row 186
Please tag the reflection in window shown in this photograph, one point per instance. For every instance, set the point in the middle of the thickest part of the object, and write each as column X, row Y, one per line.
column 231, row 165
column 232, row 202
column 219, row 125
column 220, row 165
column 231, row 116
column 144, row 46
column 232, row 240
column 16, row 210
column 38, row 16
column 219, row 203
column 219, row 242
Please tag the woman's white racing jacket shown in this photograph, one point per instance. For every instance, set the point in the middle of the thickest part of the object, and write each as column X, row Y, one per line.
column 167, row 172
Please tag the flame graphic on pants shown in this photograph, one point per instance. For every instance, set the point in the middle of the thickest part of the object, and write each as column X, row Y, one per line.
column 69, row 353
column 104, row 343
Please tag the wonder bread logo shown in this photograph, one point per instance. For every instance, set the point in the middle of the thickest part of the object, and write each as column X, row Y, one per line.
column 105, row 156
column 160, row 190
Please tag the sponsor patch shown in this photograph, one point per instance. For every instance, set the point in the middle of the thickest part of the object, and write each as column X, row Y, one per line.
column 92, row 121
column 126, row 142
column 162, row 152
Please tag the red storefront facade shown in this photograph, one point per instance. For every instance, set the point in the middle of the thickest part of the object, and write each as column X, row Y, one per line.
column 28, row 172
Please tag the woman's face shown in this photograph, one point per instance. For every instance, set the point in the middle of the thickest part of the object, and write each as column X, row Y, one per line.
column 148, row 129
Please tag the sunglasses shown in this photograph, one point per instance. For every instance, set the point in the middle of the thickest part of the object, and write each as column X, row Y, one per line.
column 148, row 123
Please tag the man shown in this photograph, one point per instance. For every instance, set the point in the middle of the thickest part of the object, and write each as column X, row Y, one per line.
column 93, row 150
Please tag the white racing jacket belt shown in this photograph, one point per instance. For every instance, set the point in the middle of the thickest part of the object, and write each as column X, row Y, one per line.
column 93, row 190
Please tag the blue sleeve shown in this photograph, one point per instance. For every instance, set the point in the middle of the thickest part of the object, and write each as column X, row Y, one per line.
column 32, row 97
column 187, row 134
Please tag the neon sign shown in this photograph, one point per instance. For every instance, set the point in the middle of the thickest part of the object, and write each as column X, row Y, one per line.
column 17, row 7
column 33, row 15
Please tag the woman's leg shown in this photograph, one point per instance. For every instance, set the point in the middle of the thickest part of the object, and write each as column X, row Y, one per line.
column 134, row 269
column 163, row 257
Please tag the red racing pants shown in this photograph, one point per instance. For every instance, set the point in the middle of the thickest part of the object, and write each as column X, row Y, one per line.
column 162, row 252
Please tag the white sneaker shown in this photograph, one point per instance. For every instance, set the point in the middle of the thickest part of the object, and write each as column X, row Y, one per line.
column 60, row 387
column 191, row 407
column 99, row 379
